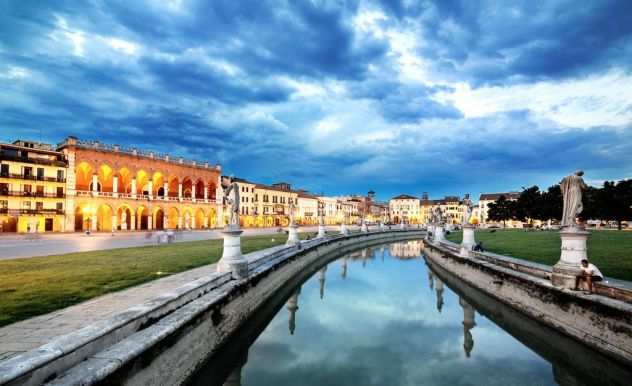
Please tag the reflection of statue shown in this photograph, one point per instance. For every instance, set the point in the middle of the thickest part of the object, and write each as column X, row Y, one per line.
column 344, row 268
column 321, row 279
column 292, row 306
column 439, row 291
column 467, row 215
column 231, row 197
column 431, row 278
column 572, row 187
column 469, row 322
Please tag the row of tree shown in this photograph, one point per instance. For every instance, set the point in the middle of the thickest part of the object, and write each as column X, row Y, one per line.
column 611, row 202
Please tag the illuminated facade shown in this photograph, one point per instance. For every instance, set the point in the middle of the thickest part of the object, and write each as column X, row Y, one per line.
column 405, row 207
column 32, row 188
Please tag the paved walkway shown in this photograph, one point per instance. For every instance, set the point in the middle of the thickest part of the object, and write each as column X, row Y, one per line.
column 32, row 333
column 13, row 247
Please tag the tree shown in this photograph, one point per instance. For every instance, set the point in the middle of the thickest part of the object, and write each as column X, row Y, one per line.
column 615, row 201
column 529, row 204
column 501, row 210
column 551, row 204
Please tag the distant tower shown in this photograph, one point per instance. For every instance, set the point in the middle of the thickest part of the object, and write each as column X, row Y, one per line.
column 292, row 306
column 424, row 196
column 468, row 323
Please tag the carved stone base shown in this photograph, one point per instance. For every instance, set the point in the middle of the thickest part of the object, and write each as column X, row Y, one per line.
column 402, row 226
column 321, row 231
column 343, row 229
column 439, row 234
column 364, row 228
column 232, row 260
column 468, row 242
column 573, row 251
column 292, row 235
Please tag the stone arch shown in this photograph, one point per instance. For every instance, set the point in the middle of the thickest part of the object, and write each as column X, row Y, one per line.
column 212, row 187
column 125, row 180
column 174, row 182
column 158, row 218
column 80, row 223
column 158, row 181
column 124, row 217
column 142, row 182
column 199, row 189
column 200, row 219
column 142, row 218
column 104, row 218
column 83, row 176
column 105, row 176
column 187, row 187
column 172, row 218
column 269, row 221
column 187, row 218
column 212, row 218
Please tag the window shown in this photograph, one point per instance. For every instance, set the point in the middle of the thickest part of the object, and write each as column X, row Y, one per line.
column 26, row 204
column 60, row 175
column 39, row 191
column 60, row 191
column 28, row 171
column 274, row 199
column 39, row 205
column 27, row 188
column 4, row 188
column 4, row 170
column 4, row 204
column 60, row 206
column 40, row 173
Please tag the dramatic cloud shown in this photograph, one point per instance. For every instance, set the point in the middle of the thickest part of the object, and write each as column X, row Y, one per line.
column 446, row 97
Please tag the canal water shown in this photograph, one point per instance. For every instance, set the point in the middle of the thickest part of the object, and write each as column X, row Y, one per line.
column 382, row 316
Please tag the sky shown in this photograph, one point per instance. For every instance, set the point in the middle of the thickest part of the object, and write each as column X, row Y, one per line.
column 338, row 97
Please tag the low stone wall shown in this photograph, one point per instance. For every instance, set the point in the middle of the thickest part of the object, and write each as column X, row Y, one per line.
column 165, row 341
column 602, row 323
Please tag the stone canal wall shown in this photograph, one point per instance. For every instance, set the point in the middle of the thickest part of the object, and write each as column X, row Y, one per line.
column 602, row 323
column 164, row 341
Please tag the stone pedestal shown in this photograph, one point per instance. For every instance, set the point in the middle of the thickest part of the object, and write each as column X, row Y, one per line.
column 343, row 229
column 468, row 242
column 363, row 227
column 439, row 234
column 381, row 226
column 430, row 230
column 232, row 260
column 573, row 252
column 321, row 231
column 402, row 226
column 292, row 235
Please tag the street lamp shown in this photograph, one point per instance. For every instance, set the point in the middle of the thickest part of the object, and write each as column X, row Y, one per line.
column 88, row 211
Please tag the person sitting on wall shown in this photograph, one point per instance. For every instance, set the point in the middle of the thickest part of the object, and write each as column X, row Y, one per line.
column 589, row 274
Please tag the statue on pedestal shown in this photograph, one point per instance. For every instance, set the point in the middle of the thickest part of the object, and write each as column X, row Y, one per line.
column 572, row 187
column 231, row 198
column 291, row 209
column 467, row 215
column 437, row 215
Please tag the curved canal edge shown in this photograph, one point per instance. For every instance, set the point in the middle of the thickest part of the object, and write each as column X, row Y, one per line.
column 166, row 340
column 601, row 323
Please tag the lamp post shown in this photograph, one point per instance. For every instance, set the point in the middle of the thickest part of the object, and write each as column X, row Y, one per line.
column 88, row 211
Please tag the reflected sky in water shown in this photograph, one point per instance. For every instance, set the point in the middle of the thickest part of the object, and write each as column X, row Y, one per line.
column 379, row 317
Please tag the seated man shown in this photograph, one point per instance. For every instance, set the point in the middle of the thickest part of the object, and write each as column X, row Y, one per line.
column 589, row 273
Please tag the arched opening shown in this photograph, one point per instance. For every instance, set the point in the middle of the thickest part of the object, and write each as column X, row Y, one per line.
column 173, row 186
column 125, row 180
column 187, row 187
column 83, row 177
column 79, row 221
column 260, row 221
column 142, row 182
column 187, row 218
column 104, row 218
column 200, row 219
column 212, row 218
column 172, row 218
column 159, row 219
column 93, row 188
column 105, row 176
column 158, row 181
column 269, row 221
column 124, row 218
column 211, row 190
column 199, row 189
column 142, row 217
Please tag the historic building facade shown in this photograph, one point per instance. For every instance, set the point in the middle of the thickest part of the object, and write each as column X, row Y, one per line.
column 32, row 188
column 405, row 208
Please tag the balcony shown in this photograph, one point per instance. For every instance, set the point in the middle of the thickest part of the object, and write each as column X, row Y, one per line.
column 37, row 161
column 42, row 211
column 17, row 193
column 32, row 177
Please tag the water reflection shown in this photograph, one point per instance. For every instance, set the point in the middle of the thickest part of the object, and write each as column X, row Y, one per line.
column 379, row 327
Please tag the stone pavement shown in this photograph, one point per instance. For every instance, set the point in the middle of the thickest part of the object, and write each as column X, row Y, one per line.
column 12, row 247
column 32, row 333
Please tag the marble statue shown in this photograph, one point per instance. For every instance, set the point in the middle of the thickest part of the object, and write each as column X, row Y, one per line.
column 231, row 197
column 467, row 215
column 291, row 210
column 321, row 213
column 437, row 215
column 572, row 187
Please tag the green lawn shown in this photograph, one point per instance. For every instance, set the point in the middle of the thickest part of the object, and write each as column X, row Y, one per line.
column 611, row 251
column 38, row 285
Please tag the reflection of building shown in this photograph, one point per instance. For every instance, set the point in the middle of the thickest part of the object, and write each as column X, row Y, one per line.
column 439, row 291
column 32, row 188
column 321, row 280
column 468, row 323
column 405, row 249
column 292, row 306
